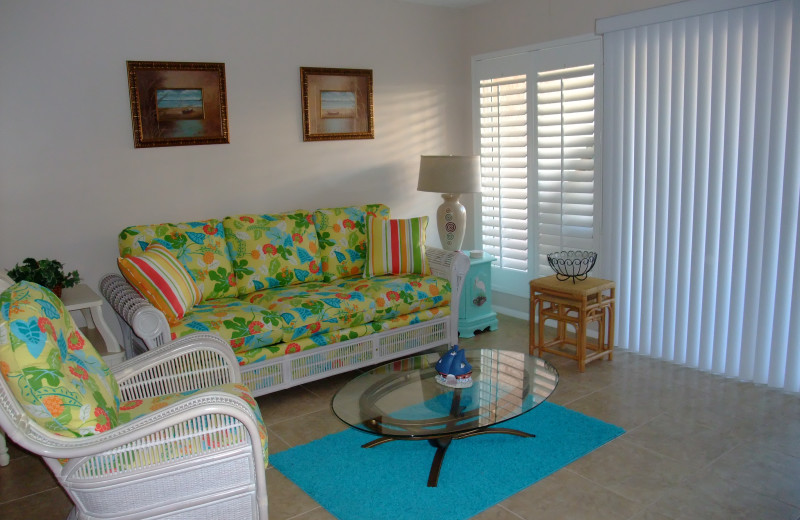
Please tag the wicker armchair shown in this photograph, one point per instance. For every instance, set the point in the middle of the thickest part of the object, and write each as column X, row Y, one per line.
column 169, row 434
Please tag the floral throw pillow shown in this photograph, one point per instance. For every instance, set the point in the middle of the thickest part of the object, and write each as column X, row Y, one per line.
column 52, row 369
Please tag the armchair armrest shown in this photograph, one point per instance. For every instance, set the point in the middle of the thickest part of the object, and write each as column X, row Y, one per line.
column 196, row 361
column 210, row 436
column 135, row 313
column 126, row 437
column 137, row 433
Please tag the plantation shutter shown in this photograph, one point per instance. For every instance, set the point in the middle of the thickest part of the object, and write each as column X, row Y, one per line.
column 535, row 121
column 565, row 129
column 504, row 170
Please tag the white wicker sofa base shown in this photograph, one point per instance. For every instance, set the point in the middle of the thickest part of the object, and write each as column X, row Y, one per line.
column 302, row 367
column 145, row 328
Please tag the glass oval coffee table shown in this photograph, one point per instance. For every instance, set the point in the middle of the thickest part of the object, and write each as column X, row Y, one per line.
column 402, row 401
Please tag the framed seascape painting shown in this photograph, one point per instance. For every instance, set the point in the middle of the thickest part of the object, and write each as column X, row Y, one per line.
column 177, row 103
column 337, row 104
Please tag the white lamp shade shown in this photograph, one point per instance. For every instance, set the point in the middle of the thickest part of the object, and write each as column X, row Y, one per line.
column 449, row 174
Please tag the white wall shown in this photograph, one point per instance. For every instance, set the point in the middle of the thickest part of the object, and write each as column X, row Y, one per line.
column 506, row 24
column 70, row 179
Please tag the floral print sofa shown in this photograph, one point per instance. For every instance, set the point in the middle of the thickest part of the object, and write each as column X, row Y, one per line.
column 288, row 293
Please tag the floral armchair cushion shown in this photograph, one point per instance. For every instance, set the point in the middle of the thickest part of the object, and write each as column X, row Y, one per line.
column 53, row 371
column 200, row 247
column 342, row 236
column 272, row 250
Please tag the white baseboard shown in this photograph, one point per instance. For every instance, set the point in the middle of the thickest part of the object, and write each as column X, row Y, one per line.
column 511, row 312
column 592, row 332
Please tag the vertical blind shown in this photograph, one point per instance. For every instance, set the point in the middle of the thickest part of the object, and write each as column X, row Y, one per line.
column 702, row 156
column 504, row 170
column 565, row 118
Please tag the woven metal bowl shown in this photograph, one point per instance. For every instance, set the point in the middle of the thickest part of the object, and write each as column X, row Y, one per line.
column 572, row 264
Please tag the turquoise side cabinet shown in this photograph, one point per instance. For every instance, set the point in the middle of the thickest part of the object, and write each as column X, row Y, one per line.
column 475, row 310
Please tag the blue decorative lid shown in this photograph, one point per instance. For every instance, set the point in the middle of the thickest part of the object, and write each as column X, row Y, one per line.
column 454, row 369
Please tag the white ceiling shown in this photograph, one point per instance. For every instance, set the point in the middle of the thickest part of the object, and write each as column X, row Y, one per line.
column 450, row 3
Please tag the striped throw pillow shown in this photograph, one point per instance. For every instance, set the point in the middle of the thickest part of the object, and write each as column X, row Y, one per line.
column 396, row 246
column 163, row 280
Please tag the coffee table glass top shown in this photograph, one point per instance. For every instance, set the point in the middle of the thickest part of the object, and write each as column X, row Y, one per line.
column 402, row 399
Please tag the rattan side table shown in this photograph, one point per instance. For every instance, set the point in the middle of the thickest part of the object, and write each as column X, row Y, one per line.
column 577, row 304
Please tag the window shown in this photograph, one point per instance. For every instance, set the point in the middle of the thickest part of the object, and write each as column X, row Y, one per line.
column 536, row 124
column 504, row 170
column 565, row 161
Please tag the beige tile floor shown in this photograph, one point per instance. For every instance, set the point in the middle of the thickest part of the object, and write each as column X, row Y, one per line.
column 697, row 447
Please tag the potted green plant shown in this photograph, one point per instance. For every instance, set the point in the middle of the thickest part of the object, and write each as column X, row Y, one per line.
column 47, row 273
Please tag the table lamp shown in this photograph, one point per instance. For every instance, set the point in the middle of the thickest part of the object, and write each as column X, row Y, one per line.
column 450, row 175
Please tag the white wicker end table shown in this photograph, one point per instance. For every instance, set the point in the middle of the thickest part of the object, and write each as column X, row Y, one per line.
column 83, row 298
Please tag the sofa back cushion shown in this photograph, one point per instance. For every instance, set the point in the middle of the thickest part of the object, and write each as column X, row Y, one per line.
column 272, row 250
column 51, row 368
column 342, row 237
column 199, row 246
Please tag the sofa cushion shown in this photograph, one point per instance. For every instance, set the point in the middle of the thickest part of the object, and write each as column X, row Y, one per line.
column 246, row 357
column 239, row 322
column 132, row 410
column 52, row 369
column 398, row 295
column 359, row 331
column 163, row 280
column 272, row 250
column 327, row 360
column 342, row 234
column 410, row 319
column 396, row 246
column 316, row 308
column 200, row 247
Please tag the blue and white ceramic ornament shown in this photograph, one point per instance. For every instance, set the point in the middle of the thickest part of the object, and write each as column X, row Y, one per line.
column 453, row 370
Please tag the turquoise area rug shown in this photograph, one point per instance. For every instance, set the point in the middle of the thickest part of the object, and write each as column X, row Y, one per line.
column 389, row 481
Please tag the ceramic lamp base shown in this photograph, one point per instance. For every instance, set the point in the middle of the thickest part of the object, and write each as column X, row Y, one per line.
column 451, row 219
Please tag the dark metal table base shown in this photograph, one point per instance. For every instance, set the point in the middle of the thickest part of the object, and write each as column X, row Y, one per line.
column 442, row 443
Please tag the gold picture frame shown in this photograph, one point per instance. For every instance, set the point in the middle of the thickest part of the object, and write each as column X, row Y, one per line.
column 337, row 104
column 177, row 103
